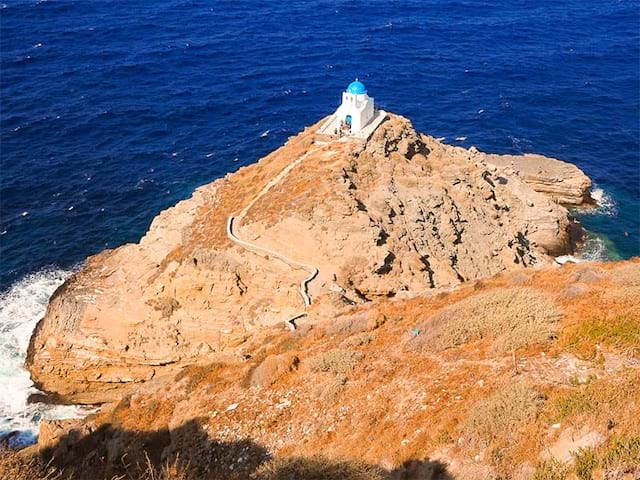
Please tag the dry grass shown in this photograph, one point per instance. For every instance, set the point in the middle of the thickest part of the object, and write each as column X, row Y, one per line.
column 619, row 457
column 393, row 395
column 621, row 334
column 500, row 415
column 16, row 466
column 627, row 275
column 613, row 401
column 318, row 468
column 336, row 361
column 551, row 470
column 624, row 296
column 330, row 391
column 272, row 369
column 512, row 317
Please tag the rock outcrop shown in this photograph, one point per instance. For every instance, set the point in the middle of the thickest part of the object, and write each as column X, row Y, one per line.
column 410, row 389
column 562, row 181
column 395, row 216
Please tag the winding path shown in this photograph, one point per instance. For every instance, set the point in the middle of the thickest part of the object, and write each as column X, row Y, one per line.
column 234, row 221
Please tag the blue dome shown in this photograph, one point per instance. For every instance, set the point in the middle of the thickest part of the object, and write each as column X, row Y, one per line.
column 356, row 87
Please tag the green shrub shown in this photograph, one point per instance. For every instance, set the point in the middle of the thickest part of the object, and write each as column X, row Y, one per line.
column 621, row 451
column 585, row 461
column 571, row 404
column 621, row 333
column 551, row 470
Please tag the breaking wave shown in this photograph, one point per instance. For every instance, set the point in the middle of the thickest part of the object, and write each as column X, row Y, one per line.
column 606, row 203
column 21, row 306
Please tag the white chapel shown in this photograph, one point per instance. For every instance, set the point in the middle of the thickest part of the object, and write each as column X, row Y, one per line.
column 356, row 116
column 356, row 110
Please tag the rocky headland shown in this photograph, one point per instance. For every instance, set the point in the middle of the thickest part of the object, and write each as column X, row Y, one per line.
column 416, row 279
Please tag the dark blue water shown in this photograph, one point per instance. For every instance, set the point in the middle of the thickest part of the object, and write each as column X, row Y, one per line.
column 115, row 110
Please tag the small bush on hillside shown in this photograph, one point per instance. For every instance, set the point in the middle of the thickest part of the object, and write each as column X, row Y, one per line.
column 621, row 451
column 335, row 361
column 572, row 291
column 551, row 470
column 585, row 461
column 587, row 275
column 571, row 404
column 502, row 413
column 358, row 340
column 272, row 369
column 199, row 374
column 621, row 333
column 330, row 391
column 513, row 317
column 620, row 456
column 319, row 468
column 627, row 275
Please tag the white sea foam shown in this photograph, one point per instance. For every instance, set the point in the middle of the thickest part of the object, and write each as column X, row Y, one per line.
column 606, row 203
column 594, row 249
column 21, row 306
column 562, row 259
column 265, row 133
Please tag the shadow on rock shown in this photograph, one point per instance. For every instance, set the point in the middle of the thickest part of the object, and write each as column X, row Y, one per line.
column 320, row 468
column 187, row 452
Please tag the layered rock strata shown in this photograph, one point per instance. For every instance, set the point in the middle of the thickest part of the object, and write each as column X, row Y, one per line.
column 399, row 214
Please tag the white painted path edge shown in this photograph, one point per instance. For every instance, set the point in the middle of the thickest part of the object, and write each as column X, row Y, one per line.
column 313, row 271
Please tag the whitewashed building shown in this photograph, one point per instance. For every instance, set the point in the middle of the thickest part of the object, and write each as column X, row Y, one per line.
column 356, row 110
column 355, row 117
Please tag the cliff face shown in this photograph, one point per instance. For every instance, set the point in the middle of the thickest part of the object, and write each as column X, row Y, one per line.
column 396, row 216
column 502, row 378
column 560, row 180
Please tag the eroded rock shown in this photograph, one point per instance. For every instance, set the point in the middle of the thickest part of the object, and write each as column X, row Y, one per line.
column 395, row 216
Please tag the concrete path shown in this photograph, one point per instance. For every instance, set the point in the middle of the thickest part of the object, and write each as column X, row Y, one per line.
column 234, row 221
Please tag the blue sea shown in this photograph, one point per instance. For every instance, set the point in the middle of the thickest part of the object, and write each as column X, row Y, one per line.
column 112, row 111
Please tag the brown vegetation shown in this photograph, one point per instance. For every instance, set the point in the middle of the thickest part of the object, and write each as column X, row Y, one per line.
column 456, row 404
column 272, row 368
column 334, row 361
column 500, row 415
column 512, row 318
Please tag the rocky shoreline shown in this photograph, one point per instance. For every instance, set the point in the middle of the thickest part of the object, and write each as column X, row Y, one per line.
column 396, row 228
column 399, row 214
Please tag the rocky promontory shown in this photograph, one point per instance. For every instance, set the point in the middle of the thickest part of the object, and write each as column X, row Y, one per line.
column 396, row 216
column 560, row 180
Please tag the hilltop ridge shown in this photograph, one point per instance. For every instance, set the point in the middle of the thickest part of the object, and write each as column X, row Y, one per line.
column 386, row 308
column 394, row 216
